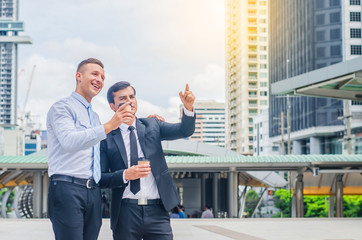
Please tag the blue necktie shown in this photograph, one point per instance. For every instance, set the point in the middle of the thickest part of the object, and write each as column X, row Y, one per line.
column 135, row 184
column 96, row 152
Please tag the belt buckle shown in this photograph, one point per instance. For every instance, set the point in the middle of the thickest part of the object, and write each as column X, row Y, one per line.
column 142, row 201
column 88, row 183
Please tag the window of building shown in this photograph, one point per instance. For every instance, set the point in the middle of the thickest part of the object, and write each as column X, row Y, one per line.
column 355, row 33
column 356, row 102
column 252, row 39
column 335, row 17
column 319, row 4
column 263, row 93
column 252, row 12
column 253, row 75
column 261, row 149
column 355, row 49
column 263, row 102
column 355, row 16
column 321, row 52
column 252, row 48
column 320, row 35
column 334, row 3
column 262, row 48
column 262, row 20
column 335, row 50
column 251, row 93
column 262, row 3
column 253, row 102
column 262, row 57
column 252, row 57
column 263, row 66
column 253, row 111
column 335, row 34
column 263, row 39
column 252, row 30
column 263, row 30
column 355, row 2
column 253, row 66
column 263, row 75
column 320, row 19
column 263, row 84
column 275, row 148
column 263, row 12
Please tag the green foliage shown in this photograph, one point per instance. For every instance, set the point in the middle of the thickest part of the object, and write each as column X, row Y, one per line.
column 10, row 199
column 352, row 206
column 282, row 201
column 316, row 206
column 251, row 202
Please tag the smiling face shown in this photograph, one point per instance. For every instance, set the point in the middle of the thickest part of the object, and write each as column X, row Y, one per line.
column 124, row 95
column 90, row 80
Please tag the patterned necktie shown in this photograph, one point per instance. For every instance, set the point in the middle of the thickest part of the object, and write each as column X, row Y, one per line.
column 96, row 152
column 135, row 184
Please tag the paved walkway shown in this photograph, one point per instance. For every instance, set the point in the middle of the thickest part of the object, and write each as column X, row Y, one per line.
column 213, row 229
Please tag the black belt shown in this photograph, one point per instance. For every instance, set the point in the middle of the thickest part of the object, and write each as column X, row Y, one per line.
column 144, row 202
column 88, row 183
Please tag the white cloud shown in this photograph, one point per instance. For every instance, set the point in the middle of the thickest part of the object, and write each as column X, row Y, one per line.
column 158, row 46
column 209, row 85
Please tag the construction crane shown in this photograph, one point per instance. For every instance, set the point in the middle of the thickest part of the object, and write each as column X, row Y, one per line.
column 23, row 113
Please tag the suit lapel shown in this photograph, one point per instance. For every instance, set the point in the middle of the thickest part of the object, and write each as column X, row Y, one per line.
column 141, row 135
column 117, row 137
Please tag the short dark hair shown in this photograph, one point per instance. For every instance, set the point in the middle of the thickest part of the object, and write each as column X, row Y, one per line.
column 116, row 87
column 89, row 60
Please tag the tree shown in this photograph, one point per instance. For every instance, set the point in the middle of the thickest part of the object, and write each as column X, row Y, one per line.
column 352, row 206
column 316, row 206
column 250, row 202
column 282, row 201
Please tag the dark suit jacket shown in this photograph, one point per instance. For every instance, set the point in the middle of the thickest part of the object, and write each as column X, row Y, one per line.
column 150, row 133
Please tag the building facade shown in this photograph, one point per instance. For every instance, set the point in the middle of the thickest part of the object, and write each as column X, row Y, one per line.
column 305, row 36
column 10, row 26
column 246, row 69
column 210, row 123
column 262, row 144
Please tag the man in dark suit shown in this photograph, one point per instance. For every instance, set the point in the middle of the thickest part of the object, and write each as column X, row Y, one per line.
column 142, row 194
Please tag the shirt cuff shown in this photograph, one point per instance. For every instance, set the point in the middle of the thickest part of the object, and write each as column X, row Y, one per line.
column 124, row 180
column 189, row 113
column 100, row 132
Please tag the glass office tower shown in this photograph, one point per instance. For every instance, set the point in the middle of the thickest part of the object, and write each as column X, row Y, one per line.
column 305, row 36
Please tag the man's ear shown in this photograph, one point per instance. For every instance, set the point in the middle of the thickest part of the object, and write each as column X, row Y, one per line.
column 113, row 107
column 77, row 76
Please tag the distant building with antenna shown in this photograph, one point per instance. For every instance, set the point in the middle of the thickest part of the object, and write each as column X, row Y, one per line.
column 10, row 26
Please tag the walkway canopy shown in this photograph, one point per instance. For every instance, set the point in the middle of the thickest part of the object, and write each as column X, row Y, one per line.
column 342, row 80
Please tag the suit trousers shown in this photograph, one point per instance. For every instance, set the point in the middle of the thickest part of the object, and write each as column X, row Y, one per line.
column 75, row 211
column 149, row 222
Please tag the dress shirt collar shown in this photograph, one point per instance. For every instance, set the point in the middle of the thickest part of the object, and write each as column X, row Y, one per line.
column 81, row 99
column 124, row 127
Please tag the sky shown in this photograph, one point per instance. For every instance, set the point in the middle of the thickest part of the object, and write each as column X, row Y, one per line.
column 158, row 46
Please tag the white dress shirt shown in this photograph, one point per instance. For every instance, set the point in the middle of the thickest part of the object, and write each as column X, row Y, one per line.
column 148, row 186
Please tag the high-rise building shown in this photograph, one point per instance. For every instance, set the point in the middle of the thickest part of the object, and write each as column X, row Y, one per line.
column 210, row 123
column 305, row 36
column 246, row 69
column 262, row 144
column 10, row 26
